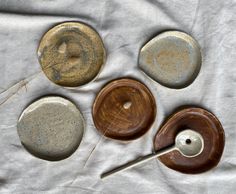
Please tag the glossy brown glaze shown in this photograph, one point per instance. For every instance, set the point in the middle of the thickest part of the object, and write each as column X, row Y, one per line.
column 124, row 109
column 198, row 120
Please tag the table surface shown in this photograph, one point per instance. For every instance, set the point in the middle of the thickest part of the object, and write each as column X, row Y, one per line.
column 124, row 26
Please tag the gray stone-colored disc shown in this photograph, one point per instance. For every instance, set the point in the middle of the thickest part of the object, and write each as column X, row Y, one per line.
column 51, row 128
column 172, row 58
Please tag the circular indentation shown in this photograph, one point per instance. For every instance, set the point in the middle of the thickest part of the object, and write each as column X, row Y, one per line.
column 51, row 128
column 188, row 141
column 201, row 121
column 172, row 58
column 124, row 109
column 71, row 54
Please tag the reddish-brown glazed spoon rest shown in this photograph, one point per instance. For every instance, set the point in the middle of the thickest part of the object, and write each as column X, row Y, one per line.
column 124, row 109
column 199, row 120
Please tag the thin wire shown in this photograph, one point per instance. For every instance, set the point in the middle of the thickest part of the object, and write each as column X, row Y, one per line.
column 101, row 138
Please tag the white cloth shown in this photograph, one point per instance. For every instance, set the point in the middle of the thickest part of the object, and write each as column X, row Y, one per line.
column 124, row 25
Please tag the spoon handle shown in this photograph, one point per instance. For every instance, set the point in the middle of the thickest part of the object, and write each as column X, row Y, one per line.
column 139, row 161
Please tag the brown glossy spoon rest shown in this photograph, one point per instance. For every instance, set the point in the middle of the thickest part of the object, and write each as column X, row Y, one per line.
column 202, row 122
column 124, row 109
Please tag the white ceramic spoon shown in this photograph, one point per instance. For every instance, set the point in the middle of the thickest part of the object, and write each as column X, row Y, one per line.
column 188, row 142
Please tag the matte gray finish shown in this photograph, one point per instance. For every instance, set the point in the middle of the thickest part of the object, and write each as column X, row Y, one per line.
column 172, row 58
column 51, row 128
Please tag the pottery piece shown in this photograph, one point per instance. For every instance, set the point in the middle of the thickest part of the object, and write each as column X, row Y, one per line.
column 172, row 58
column 187, row 142
column 201, row 121
column 124, row 109
column 51, row 128
column 71, row 54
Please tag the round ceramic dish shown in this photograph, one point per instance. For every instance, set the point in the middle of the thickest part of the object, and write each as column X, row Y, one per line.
column 172, row 58
column 71, row 54
column 204, row 123
column 124, row 109
column 51, row 128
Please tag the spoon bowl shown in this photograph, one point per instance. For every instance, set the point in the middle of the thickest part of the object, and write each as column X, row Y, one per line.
column 189, row 143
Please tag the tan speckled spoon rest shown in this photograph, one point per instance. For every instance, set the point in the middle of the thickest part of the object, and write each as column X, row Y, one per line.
column 71, row 54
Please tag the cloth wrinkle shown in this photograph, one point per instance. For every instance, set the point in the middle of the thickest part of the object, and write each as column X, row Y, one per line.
column 125, row 27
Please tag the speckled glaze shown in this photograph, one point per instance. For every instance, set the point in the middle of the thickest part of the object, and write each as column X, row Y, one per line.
column 172, row 58
column 51, row 128
column 71, row 54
